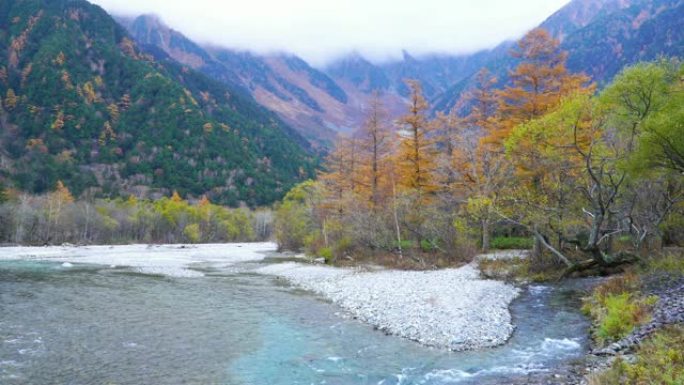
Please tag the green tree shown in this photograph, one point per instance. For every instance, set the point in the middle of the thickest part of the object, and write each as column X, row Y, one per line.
column 295, row 222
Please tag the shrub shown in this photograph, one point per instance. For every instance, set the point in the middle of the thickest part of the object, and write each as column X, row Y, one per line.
column 505, row 243
column 326, row 253
column 659, row 360
column 616, row 307
column 405, row 244
column 616, row 315
column 294, row 222
column 427, row 245
column 192, row 233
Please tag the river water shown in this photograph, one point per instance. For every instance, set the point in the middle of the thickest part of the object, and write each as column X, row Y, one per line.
column 85, row 324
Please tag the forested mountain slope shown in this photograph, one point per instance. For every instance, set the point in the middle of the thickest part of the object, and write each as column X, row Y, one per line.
column 304, row 97
column 83, row 104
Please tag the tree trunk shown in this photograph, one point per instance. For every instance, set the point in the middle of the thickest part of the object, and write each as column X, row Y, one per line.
column 547, row 245
column 485, row 235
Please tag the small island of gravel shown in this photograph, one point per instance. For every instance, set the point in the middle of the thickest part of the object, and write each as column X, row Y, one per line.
column 451, row 308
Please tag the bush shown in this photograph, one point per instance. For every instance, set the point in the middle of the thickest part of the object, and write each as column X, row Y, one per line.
column 616, row 311
column 505, row 243
column 326, row 253
column 192, row 233
column 616, row 307
column 659, row 360
column 622, row 314
column 294, row 222
column 427, row 246
column 405, row 244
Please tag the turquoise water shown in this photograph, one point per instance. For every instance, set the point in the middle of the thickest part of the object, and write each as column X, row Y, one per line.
column 91, row 325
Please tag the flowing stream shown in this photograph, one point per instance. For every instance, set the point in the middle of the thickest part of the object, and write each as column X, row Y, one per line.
column 98, row 324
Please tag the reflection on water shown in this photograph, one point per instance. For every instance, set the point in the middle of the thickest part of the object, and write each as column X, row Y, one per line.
column 89, row 324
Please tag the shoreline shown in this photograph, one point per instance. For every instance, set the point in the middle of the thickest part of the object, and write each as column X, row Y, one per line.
column 452, row 309
column 668, row 311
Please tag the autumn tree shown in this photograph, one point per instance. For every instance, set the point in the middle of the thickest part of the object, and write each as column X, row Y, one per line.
column 480, row 161
column 375, row 142
column 448, row 131
column 538, row 86
column 416, row 161
column 592, row 195
column 56, row 202
column 10, row 100
column 539, row 82
column 416, row 152
column 342, row 167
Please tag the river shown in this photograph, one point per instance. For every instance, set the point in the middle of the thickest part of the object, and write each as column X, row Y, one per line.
column 84, row 323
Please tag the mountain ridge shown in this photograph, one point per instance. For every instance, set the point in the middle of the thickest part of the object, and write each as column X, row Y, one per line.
column 321, row 102
column 82, row 103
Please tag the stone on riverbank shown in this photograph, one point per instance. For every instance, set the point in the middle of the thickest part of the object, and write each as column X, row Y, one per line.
column 451, row 308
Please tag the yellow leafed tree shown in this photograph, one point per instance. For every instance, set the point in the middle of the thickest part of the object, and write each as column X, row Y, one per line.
column 416, row 152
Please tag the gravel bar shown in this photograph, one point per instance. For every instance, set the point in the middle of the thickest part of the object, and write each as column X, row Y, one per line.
column 452, row 308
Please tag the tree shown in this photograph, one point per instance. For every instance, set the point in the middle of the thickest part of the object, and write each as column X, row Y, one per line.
column 295, row 222
column 539, row 82
column 376, row 150
column 58, row 123
column 10, row 100
column 591, row 194
column 416, row 160
column 481, row 162
column 544, row 200
column 416, row 153
column 3, row 193
column 660, row 137
column 448, row 135
column 56, row 201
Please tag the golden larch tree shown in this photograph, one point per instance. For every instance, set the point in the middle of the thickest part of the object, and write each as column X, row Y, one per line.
column 416, row 153
column 376, row 149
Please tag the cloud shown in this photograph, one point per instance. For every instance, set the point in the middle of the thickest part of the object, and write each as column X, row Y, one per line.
column 321, row 30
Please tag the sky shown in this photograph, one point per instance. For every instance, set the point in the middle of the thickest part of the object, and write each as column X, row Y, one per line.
column 323, row 30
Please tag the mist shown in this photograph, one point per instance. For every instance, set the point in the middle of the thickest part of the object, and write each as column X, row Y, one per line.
column 320, row 31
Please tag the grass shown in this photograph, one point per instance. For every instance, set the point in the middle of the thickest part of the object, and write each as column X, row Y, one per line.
column 659, row 360
column 669, row 263
column 507, row 243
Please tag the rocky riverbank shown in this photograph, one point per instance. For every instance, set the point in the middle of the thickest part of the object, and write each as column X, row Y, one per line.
column 451, row 308
column 669, row 310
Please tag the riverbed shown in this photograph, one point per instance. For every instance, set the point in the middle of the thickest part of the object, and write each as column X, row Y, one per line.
column 173, row 315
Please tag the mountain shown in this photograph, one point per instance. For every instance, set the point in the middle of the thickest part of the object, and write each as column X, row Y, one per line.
column 435, row 72
column 303, row 96
column 601, row 37
column 83, row 103
column 637, row 31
